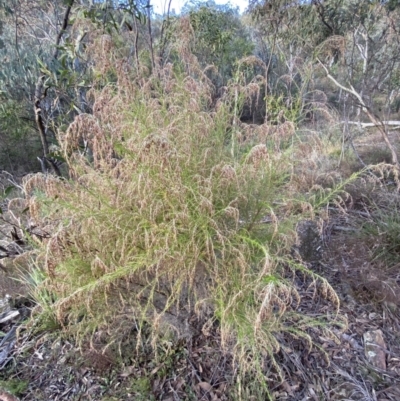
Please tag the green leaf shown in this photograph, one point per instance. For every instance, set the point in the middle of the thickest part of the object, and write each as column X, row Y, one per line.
column 8, row 190
column 43, row 67
column 56, row 156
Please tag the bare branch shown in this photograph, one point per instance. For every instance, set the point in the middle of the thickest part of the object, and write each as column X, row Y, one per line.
column 375, row 120
column 63, row 28
column 38, row 114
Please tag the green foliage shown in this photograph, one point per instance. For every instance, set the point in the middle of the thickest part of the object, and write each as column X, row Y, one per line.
column 310, row 23
column 384, row 229
column 19, row 143
column 335, row 194
column 220, row 38
column 22, row 47
column 279, row 110
column 44, row 318
column 14, row 386
column 392, row 5
column 111, row 17
column 141, row 387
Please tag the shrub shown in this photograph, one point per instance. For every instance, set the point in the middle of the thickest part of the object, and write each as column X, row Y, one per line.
column 162, row 223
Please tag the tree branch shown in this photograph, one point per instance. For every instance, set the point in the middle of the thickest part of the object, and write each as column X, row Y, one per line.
column 376, row 121
column 38, row 114
column 365, row 125
column 63, row 28
column 41, row 92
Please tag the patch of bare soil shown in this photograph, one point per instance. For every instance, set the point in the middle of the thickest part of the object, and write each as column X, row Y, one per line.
column 56, row 370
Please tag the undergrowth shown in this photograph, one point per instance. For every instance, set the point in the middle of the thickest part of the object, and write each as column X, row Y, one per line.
column 383, row 227
column 165, row 221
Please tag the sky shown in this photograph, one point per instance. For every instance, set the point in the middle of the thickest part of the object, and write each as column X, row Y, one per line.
column 160, row 5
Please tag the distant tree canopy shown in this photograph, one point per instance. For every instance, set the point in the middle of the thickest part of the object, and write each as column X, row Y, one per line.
column 220, row 38
column 317, row 20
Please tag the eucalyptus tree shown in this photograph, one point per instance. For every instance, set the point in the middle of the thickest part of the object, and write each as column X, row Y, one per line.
column 29, row 29
column 45, row 70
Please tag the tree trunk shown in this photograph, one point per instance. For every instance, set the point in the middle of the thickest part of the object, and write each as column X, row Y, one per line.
column 41, row 93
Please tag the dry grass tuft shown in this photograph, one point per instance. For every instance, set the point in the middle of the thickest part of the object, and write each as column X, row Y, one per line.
column 170, row 219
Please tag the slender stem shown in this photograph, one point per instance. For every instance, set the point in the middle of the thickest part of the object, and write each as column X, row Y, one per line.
column 63, row 28
column 150, row 34
column 162, row 37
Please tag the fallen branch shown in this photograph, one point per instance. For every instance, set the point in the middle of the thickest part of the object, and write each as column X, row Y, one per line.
column 365, row 125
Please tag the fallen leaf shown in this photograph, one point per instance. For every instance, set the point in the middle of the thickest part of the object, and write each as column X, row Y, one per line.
column 205, row 386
